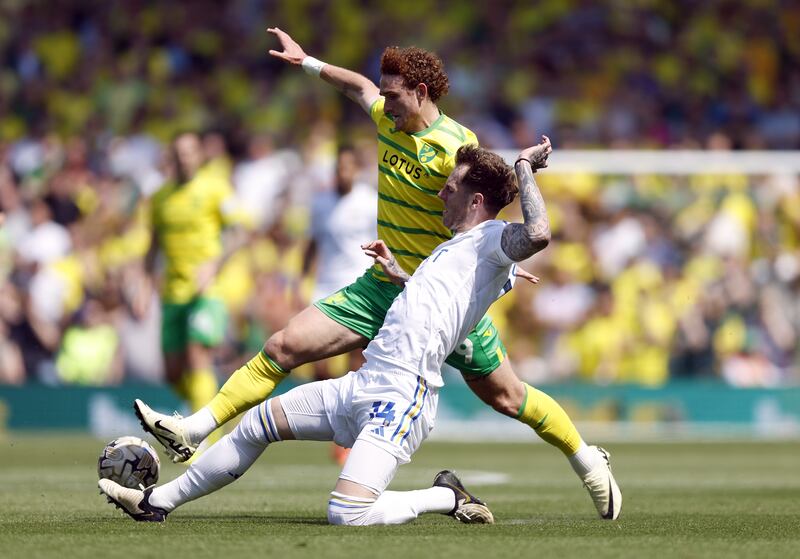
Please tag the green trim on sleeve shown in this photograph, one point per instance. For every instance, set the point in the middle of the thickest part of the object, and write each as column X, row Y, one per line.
column 524, row 401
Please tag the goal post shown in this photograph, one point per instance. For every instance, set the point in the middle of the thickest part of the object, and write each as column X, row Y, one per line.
column 666, row 162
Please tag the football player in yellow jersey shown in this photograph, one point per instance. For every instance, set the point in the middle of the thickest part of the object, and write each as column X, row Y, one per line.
column 417, row 144
column 187, row 217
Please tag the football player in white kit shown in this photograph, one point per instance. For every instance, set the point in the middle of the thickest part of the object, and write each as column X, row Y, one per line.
column 341, row 220
column 387, row 408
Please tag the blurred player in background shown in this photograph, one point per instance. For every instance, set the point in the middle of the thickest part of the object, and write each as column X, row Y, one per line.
column 417, row 144
column 188, row 215
column 215, row 148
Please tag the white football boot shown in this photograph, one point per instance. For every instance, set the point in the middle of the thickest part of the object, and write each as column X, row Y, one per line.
column 133, row 502
column 603, row 488
column 168, row 430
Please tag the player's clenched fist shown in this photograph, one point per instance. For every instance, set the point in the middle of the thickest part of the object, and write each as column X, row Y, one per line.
column 537, row 155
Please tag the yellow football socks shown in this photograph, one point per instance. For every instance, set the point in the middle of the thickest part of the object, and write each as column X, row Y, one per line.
column 247, row 386
column 549, row 420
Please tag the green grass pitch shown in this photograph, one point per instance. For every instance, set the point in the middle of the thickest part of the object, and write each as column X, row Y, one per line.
column 681, row 500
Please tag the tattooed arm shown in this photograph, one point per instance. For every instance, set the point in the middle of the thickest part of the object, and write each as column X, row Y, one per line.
column 383, row 256
column 523, row 240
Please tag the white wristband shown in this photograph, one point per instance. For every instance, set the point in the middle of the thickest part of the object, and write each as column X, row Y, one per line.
column 312, row 66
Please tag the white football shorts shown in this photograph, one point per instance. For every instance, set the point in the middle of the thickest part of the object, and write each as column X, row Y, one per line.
column 393, row 411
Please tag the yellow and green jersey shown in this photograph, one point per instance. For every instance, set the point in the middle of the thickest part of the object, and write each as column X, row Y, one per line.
column 412, row 169
column 188, row 220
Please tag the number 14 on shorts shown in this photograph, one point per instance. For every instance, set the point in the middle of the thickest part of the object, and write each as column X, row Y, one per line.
column 387, row 414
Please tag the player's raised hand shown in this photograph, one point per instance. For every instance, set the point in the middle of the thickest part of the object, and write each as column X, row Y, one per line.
column 538, row 154
column 383, row 256
column 292, row 52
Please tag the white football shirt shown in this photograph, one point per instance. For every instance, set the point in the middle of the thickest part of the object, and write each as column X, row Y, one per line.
column 340, row 225
column 442, row 302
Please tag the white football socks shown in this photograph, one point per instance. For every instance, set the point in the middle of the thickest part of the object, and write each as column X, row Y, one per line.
column 199, row 425
column 223, row 463
column 584, row 460
column 230, row 458
column 392, row 507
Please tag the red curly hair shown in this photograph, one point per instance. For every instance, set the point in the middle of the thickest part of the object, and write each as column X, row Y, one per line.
column 416, row 66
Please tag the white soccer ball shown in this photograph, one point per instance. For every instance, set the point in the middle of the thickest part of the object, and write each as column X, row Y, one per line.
column 129, row 461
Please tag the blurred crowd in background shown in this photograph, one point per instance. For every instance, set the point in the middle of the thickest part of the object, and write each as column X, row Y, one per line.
column 654, row 73
column 649, row 278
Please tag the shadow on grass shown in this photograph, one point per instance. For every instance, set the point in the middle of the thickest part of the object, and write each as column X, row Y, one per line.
column 234, row 518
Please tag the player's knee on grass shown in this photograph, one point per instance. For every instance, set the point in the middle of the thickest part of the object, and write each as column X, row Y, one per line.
column 345, row 510
column 359, row 498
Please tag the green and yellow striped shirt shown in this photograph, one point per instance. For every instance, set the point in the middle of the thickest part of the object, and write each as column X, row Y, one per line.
column 188, row 220
column 412, row 169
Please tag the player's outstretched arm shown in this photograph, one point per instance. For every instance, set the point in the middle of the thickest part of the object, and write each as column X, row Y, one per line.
column 383, row 256
column 523, row 240
column 357, row 87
